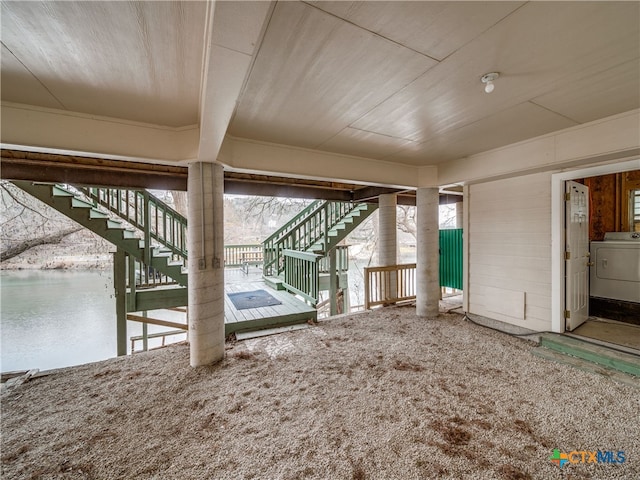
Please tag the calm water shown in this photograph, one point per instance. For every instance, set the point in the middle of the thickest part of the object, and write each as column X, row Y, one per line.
column 52, row 319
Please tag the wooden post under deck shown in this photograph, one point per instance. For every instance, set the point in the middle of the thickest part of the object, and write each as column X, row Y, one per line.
column 333, row 284
column 120, row 285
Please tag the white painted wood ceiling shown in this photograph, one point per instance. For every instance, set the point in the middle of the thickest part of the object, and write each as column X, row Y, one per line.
column 398, row 81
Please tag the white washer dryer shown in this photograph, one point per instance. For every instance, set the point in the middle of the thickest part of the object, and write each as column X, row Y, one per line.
column 615, row 272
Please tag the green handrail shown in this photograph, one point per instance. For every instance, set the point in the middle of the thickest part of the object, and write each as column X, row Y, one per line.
column 269, row 245
column 147, row 212
column 301, row 274
column 312, row 229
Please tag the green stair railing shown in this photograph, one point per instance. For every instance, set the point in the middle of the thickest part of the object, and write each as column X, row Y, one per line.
column 301, row 275
column 145, row 211
column 271, row 255
column 156, row 264
column 315, row 231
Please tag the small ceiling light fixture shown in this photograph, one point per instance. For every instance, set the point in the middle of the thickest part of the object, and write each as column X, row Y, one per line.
column 488, row 79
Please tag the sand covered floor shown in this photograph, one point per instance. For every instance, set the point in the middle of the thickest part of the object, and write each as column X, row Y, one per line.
column 380, row 395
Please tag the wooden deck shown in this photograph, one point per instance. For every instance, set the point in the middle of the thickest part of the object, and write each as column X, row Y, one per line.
column 291, row 311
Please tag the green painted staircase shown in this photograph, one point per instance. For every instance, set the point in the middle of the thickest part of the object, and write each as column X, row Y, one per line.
column 318, row 229
column 166, row 258
column 588, row 356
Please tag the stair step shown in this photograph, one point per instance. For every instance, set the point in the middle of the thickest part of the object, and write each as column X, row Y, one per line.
column 274, row 282
column 57, row 191
column 97, row 214
column 129, row 234
column 114, row 225
column 79, row 203
column 607, row 357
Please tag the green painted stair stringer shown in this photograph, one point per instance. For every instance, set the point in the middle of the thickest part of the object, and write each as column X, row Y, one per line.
column 82, row 212
column 342, row 229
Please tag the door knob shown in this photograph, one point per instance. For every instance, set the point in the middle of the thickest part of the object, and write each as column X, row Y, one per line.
column 590, row 264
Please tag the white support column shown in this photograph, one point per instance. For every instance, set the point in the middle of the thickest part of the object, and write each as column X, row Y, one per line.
column 387, row 230
column 205, row 190
column 428, row 253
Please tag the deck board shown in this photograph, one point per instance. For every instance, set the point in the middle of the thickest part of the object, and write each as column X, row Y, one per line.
column 292, row 310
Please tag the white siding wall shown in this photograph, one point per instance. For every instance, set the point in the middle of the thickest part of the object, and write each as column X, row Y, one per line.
column 509, row 237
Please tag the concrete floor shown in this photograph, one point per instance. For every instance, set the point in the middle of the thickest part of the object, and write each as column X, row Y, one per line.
column 618, row 333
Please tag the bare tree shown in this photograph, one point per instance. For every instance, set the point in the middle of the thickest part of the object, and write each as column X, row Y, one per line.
column 22, row 247
column 406, row 220
column 180, row 202
column 27, row 223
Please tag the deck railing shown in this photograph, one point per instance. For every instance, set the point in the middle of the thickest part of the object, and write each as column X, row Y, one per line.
column 301, row 274
column 389, row 285
column 342, row 260
column 237, row 255
column 144, row 276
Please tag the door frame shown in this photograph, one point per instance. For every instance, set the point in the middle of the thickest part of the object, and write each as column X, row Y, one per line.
column 558, row 231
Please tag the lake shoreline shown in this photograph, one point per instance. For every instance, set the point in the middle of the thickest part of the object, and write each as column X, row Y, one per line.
column 93, row 262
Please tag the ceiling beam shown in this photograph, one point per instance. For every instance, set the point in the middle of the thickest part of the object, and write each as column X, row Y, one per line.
column 369, row 193
column 239, row 187
column 54, row 168
column 234, row 31
column 32, row 128
column 47, row 167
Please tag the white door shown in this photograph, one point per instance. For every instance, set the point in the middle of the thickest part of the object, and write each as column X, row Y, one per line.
column 577, row 255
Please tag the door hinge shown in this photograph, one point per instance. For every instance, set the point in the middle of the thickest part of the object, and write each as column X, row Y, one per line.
column 567, row 314
column 567, row 255
column 567, row 197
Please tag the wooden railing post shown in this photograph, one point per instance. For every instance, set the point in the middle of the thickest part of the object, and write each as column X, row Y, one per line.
column 333, row 283
column 146, row 228
column 120, row 287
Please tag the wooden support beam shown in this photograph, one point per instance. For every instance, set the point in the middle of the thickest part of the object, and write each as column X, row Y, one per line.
column 156, row 321
column 371, row 193
column 156, row 299
column 239, row 187
column 76, row 170
column 46, row 167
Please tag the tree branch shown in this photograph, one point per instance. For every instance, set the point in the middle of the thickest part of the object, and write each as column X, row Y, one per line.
column 44, row 240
